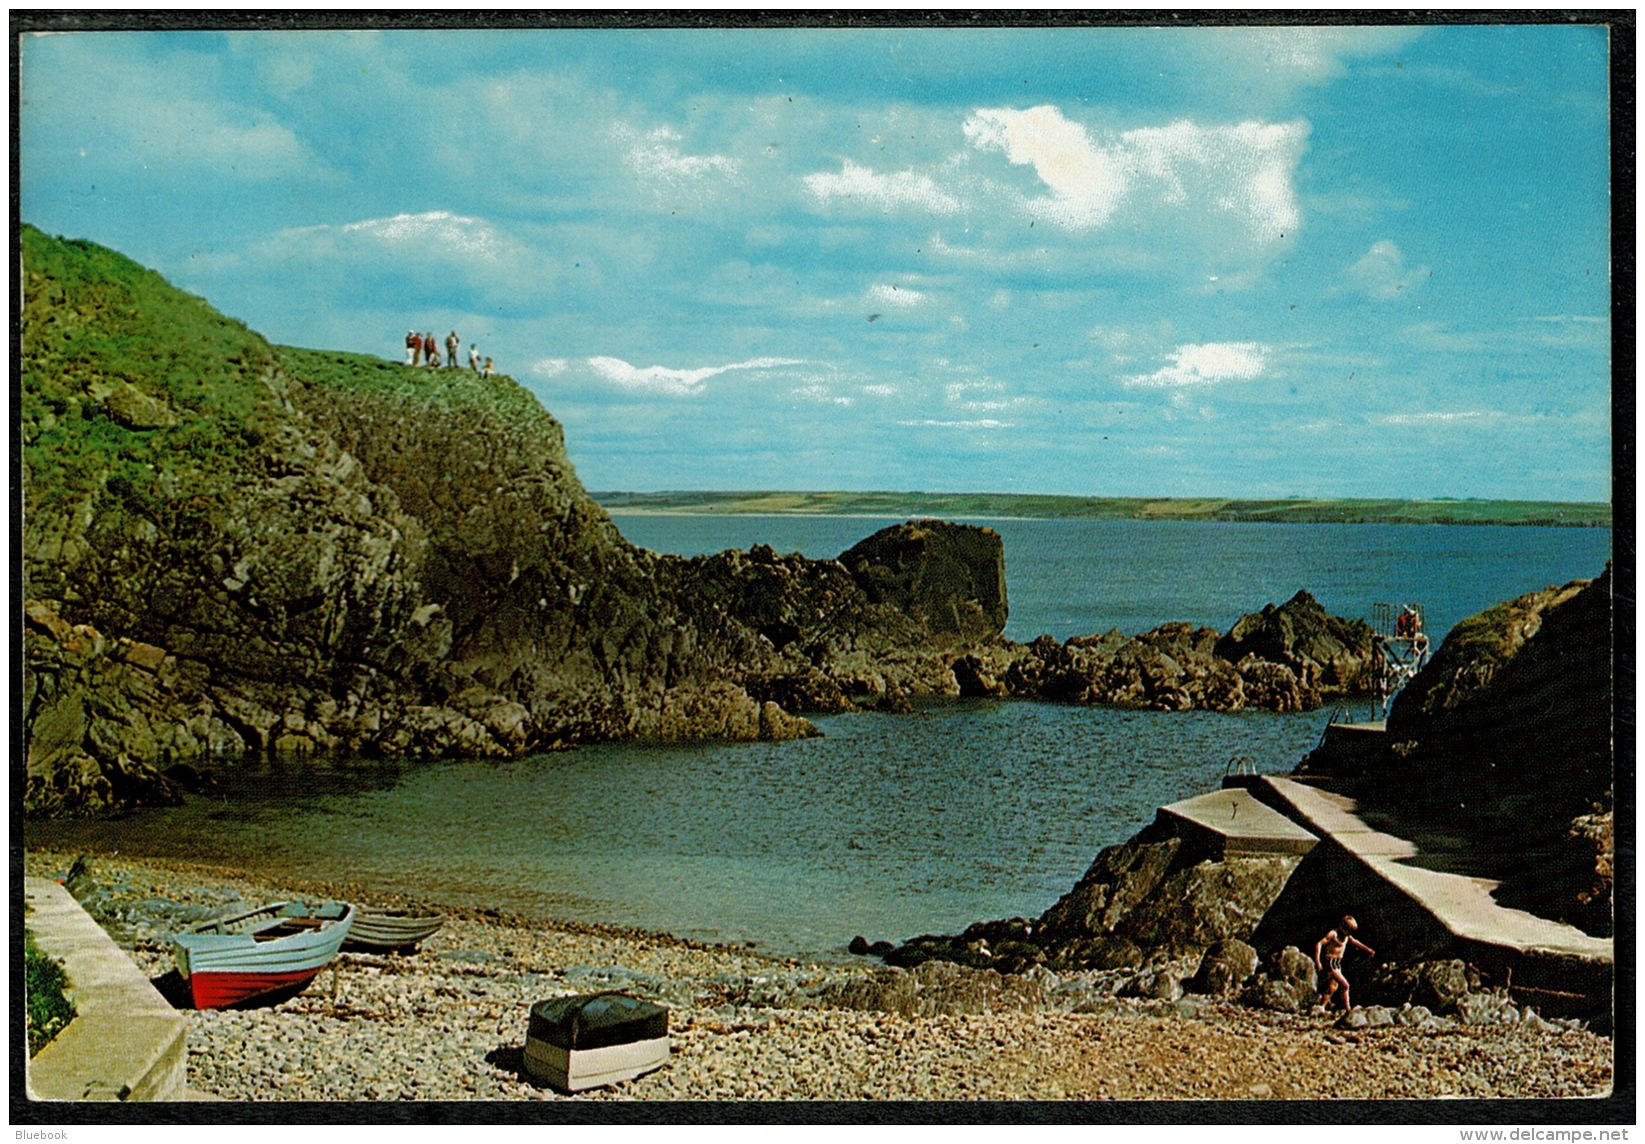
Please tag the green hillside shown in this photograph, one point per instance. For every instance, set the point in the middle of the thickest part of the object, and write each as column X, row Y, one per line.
column 126, row 377
column 984, row 505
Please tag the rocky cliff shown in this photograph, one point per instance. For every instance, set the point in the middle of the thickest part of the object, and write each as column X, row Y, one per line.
column 231, row 547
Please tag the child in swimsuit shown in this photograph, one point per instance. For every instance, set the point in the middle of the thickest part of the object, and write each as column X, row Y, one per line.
column 1333, row 946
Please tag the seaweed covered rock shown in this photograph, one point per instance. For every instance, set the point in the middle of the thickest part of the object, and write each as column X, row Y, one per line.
column 1288, row 658
column 1325, row 652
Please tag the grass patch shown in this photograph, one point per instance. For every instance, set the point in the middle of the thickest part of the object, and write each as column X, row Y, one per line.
column 403, row 386
column 44, row 982
column 126, row 378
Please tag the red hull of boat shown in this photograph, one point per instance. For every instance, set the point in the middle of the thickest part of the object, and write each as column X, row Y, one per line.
column 219, row 990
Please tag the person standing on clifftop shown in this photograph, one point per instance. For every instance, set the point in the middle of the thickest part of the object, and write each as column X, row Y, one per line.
column 474, row 357
column 414, row 347
column 430, row 348
column 1334, row 945
column 453, row 344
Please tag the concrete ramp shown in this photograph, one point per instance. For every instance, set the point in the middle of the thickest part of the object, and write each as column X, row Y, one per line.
column 1231, row 821
column 1418, row 914
column 1330, row 815
column 1463, row 905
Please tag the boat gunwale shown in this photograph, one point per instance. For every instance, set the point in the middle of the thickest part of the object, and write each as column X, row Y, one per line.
column 245, row 952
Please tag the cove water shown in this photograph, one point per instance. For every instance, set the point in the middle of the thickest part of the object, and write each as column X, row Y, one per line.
column 889, row 826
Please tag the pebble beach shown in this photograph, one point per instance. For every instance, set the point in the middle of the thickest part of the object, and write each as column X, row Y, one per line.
column 448, row 1022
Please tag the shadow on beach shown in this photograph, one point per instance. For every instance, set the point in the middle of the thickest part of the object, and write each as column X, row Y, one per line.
column 509, row 1058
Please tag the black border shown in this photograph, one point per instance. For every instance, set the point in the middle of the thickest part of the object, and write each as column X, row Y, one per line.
column 1618, row 1108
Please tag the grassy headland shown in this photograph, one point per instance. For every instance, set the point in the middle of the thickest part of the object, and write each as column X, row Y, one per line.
column 1036, row 506
column 462, row 390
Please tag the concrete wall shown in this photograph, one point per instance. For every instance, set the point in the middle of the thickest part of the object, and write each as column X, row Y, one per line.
column 126, row 1042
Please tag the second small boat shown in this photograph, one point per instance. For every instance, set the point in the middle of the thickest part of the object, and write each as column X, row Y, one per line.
column 391, row 929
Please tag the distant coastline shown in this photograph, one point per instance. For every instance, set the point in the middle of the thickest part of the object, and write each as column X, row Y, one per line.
column 1027, row 506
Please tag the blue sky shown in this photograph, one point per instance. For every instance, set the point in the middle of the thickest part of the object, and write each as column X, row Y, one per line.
column 1204, row 261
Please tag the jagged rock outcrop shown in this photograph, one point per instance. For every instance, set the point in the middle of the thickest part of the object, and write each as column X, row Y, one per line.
column 1514, row 664
column 1285, row 658
column 1326, row 653
column 834, row 635
column 949, row 581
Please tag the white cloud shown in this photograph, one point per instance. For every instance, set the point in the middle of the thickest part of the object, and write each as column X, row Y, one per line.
column 1086, row 182
column 654, row 157
column 431, row 258
column 1245, row 170
column 818, row 392
column 550, row 367
column 958, row 395
column 1381, row 272
column 675, row 382
column 1436, row 418
column 865, row 185
column 880, row 390
column 432, row 230
column 897, row 297
column 931, row 423
column 1208, row 364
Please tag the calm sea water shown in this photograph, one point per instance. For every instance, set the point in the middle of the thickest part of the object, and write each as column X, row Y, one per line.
column 889, row 826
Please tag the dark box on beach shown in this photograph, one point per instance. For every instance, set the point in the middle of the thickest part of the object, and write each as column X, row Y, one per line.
column 596, row 1021
column 574, row 1043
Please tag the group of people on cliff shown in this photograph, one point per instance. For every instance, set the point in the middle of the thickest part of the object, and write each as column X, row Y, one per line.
column 423, row 349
